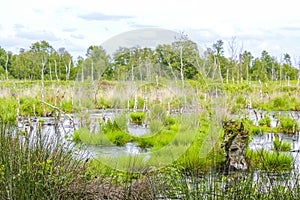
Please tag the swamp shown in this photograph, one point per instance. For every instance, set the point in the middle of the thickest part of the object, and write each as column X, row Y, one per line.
column 149, row 124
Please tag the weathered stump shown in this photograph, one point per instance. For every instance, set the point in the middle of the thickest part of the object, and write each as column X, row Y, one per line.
column 235, row 144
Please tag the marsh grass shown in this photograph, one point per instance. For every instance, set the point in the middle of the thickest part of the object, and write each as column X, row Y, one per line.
column 269, row 161
column 87, row 137
column 280, row 145
column 288, row 125
column 37, row 166
column 137, row 117
column 186, row 184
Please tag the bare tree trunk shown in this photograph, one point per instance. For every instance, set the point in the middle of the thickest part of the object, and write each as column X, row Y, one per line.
column 260, row 91
column 135, row 103
column 172, row 72
column 55, row 70
column 6, row 71
column 50, row 71
column 272, row 78
column 132, row 75
column 298, row 75
column 43, row 86
column 280, row 74
column 92, row 72
column 227, row 75
column 181, row 68
column 68, row 69
column 15, row 94
column 247, row 74
column 82, row 74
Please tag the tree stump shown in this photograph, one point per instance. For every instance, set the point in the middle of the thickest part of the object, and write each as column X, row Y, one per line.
column 235, row 143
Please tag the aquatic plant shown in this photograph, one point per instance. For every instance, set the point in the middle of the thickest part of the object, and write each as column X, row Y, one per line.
column 34, row 165
column 288, row 125
column 137, row 117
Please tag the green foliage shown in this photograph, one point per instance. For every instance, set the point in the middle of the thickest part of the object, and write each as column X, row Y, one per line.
column 38, row 168
column 156, row 126
column 158, row 112
column 85, row 136
column 137, row 117
column 279, row 145
column 8, row 108
column 288, row 125
column 279, row 103
column 170, row 121
column 255, row 130
column 270, row 161
column 121, row 121
column 284, row 102
column 266, row 121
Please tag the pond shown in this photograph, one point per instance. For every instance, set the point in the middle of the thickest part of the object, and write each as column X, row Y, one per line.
column 66, row 128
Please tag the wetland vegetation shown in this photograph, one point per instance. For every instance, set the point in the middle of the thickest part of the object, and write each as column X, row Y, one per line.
column 148, row 124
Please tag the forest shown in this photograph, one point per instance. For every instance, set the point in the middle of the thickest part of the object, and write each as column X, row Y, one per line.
column 181, row 59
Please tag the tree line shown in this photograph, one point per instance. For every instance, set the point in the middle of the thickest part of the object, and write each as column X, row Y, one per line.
column 177, row 61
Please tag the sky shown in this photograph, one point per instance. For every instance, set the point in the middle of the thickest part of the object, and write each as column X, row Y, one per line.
column 256, row 25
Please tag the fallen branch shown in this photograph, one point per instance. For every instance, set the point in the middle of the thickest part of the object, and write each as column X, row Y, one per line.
column 59, row 110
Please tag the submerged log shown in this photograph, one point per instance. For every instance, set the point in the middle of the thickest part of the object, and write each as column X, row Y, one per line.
column 235, row 144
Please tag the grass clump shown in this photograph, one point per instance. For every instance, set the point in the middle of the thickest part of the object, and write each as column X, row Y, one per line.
column 270, row 161
column 36, row 166
column 137, row 117
column 288, row 125
column 255, row 130
column 280, row 145
column 266, row 121
column 85, row 136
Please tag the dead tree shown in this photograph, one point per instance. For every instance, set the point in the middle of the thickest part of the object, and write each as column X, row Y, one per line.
column 6, row 71
column 43, row 85
column 235, row 144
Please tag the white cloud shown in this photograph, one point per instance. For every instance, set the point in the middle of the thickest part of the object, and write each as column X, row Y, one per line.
column 273, row 25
